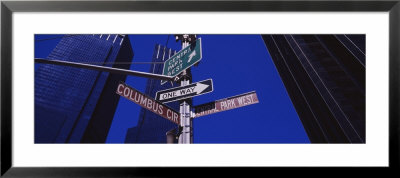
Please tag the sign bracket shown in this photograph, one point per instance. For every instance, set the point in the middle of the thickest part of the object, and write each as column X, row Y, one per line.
column 105, row 69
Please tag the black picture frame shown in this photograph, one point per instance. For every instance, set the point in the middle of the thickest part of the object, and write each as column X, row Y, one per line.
column 8, row 7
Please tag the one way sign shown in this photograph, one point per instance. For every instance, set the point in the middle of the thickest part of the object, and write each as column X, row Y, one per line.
column 183, row 92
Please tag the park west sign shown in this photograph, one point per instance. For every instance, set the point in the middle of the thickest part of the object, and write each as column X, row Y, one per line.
column 148, row 103
column 226, row 104
column 183, row 59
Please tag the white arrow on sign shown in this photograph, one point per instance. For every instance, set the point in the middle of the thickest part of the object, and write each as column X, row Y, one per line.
column 183, row 92
column 191, row 55
column 200, row 87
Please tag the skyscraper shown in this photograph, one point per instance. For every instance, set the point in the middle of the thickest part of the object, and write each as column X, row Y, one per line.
column 152, row 128
column 75, row 105
column 324, row 76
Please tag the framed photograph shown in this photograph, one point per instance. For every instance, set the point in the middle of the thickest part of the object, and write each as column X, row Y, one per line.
column 103, row 88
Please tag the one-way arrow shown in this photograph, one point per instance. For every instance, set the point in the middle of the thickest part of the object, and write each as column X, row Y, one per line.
column 200, row 88
column 183, row 92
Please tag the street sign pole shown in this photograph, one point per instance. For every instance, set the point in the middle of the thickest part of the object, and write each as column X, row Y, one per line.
column 186, row 136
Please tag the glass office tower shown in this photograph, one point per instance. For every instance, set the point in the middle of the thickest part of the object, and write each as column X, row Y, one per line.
column 76, row 105
column 325, row 79
column 152, row 128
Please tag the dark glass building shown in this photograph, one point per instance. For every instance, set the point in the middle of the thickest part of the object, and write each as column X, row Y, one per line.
column 152, row 128
column 75, row 105
column 324, row 76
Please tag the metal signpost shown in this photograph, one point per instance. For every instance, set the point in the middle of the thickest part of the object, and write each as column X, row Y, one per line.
column 188, row 56
column 185, row 58
column 188, row 91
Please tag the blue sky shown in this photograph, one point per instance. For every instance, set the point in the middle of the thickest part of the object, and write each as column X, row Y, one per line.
column 237, row 64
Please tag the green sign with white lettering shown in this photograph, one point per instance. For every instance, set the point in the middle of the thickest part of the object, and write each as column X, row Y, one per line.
column 183, row 59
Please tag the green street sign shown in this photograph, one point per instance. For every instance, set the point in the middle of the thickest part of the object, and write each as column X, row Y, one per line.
column 183, row 59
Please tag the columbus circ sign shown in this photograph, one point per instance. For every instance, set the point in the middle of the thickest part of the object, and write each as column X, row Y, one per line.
column 148, row 103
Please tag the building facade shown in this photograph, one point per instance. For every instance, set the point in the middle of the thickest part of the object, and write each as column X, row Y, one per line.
column 152, row 128
column 324, row 76
column 75, row 105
